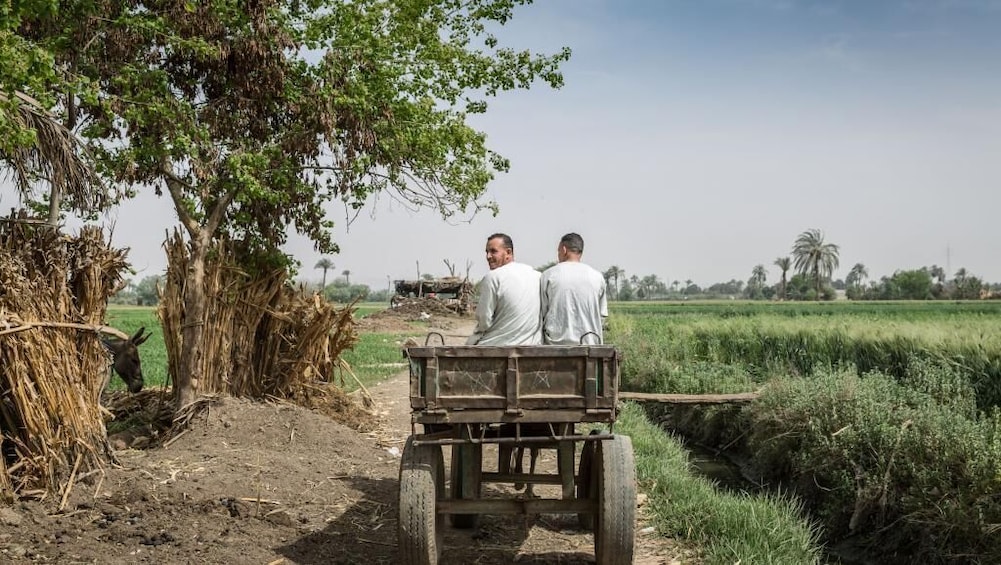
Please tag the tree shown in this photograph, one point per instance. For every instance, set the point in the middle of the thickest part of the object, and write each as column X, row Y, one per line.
column 939, row 274
column 253, row 118
column 147, row 290
column 813, row 256
column 650, row 286
column 347, row 276
column 756, row 283
column 856, row 279
column 784, row 264
column 612, row 274
column 325, row 264
column 36, row 147
column 966, row 286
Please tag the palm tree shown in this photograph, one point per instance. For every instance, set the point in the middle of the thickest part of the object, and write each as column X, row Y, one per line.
column 858, row 274
column 613, row 273
column 783, row 263
column 347, row 276
column 814, row 257
column 649, row 285
column 57, row 157
column 325, row 264
column 758, row 275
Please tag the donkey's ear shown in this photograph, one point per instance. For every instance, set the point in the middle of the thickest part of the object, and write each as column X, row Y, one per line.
column 109, row 345
column 139, row 338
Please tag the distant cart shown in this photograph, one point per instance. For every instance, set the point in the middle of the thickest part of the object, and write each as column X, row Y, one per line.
column 520, row 398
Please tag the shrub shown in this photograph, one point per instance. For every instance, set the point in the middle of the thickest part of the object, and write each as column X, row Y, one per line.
column 912, row 472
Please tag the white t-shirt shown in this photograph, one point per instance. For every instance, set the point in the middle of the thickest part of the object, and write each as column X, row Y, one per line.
column 573, row 303
column 508, row 310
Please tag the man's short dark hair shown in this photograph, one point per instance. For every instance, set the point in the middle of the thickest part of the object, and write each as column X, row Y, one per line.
column 508, row 244
column 573, row 242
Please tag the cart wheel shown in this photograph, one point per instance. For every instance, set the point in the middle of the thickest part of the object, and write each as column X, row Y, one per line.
column 616, row 493
column 586, row 481
column 467, row 467
column 422, row 481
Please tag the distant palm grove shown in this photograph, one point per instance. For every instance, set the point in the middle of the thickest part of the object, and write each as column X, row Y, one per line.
column 806, row 274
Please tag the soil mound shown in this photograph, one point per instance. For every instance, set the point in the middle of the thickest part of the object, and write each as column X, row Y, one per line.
column 248, row 482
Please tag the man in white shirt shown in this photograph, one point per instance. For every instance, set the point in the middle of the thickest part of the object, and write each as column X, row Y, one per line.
column 573, row 297
column 508, row 309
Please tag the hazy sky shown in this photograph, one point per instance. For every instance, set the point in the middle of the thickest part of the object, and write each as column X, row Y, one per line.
column 695, row 139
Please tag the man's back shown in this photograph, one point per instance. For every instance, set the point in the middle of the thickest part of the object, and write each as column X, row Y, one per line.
column 508, row 309
column 573, row 303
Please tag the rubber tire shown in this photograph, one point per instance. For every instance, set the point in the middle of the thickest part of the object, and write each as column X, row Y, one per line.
column 460, row 455
column 616, row 491
column 420, row 529
column 587, row 482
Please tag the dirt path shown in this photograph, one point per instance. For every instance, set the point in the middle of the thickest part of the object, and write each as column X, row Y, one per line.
column 273, row 484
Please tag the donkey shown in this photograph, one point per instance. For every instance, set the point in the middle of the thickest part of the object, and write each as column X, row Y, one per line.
column 125, row 358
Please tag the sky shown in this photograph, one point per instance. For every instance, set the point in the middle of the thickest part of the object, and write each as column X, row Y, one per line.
column 695, row 139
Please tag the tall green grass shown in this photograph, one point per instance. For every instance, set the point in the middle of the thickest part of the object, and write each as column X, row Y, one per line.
column 661, row 345
column 883, row 418
column 728, row 527
column 912, row 467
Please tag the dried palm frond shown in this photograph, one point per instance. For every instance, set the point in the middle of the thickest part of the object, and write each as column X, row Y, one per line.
column 57, row 157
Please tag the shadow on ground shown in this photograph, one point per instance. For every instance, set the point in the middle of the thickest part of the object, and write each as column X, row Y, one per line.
column 366, row 533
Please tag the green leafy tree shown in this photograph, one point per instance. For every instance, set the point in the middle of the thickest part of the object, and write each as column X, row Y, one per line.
column 252, row 117
column 146, row 290
column 343, row 292
column 628, row 290
column 814, row 257
column 966, row 286
column 912, row 285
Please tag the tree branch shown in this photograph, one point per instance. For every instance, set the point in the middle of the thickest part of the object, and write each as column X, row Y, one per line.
column 175, row 186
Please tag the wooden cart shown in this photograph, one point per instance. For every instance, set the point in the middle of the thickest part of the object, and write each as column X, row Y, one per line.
column 520, row 398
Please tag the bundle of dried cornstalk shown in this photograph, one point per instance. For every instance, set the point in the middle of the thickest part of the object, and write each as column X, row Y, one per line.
column 262, row 337
column 52, row 286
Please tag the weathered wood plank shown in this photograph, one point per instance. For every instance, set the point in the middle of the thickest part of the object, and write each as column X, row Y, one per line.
column 689, row 398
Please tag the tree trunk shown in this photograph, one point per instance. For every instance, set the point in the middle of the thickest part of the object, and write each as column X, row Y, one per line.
column 192, row 328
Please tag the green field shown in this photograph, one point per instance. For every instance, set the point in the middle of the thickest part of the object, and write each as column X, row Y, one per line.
column 883, row 418
column 153, row 353
column 714, row 347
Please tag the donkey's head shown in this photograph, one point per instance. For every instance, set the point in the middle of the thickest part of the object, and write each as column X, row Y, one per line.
column 126, row 358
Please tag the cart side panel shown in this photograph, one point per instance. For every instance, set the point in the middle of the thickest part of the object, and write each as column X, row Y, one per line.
column 526, row 381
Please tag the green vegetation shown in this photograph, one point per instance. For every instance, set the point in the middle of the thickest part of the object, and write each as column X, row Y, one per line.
column 882, row 418
column 729, row 527
column 376, row 357
column 910, row 464
column 153, row 353
column 666, row 343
